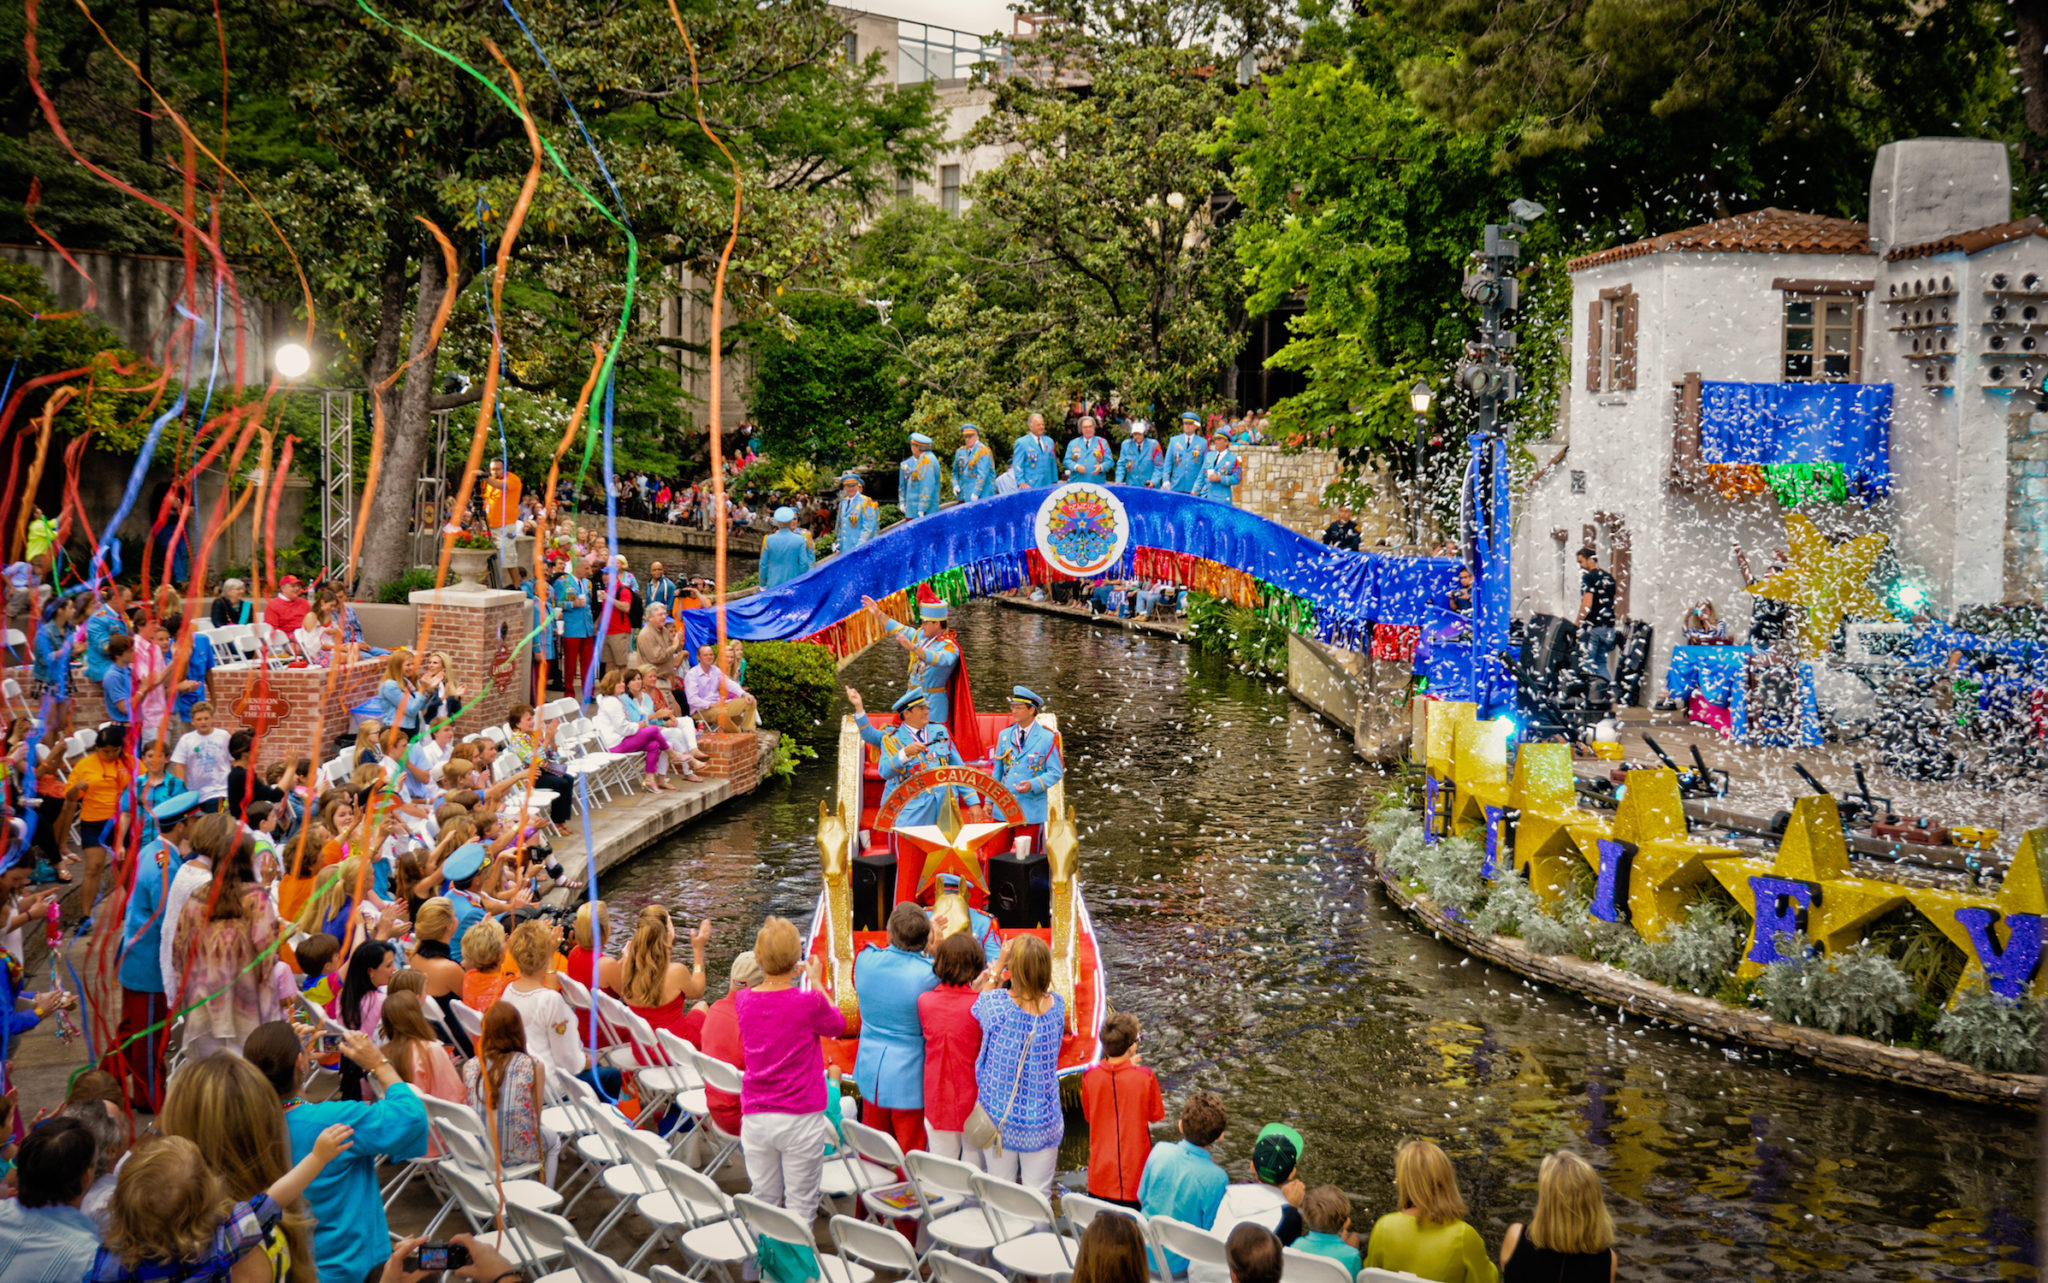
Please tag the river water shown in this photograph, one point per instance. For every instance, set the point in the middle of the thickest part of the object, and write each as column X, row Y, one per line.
column 1222, row 826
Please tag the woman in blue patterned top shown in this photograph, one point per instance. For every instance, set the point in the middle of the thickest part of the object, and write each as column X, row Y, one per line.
column 1017, row 1077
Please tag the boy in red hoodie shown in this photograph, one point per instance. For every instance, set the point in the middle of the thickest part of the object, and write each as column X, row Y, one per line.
column 1120, row 1099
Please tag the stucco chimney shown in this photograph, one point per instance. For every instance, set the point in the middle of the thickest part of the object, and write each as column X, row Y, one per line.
column 1922, row 189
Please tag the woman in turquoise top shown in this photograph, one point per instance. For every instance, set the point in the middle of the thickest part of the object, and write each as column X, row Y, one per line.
column 352, row 1236
column 572, row 605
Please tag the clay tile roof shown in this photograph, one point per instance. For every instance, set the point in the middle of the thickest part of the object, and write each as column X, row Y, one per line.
column 1972, row 242
column 1760, row 231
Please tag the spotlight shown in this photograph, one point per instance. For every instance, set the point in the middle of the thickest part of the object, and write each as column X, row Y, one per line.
column 291, row 360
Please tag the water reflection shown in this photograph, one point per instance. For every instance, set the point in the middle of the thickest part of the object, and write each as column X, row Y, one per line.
column 1221, row 827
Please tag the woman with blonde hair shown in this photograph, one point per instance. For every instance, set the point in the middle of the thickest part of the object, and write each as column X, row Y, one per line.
column 659, row 990
column 783, row 1128
column 225, row 1106
column 1570, row 1239
column 400, row 692
column 586, row 956
column 1428, row 1236
column 1017, row 1077
column 433, row 928
column 483, row 957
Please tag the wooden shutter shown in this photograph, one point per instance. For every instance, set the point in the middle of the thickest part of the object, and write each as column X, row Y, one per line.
column 1625, row 308
column 1594, row 312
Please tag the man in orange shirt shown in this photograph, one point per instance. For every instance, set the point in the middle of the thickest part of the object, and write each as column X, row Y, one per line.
column 94, row 793
column 1120, row 1099
column 501, row 510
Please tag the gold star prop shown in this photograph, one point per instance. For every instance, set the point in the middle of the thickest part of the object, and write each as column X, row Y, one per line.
column 1667, row 861
column 2024, row 893
column 1807, row 887
column 1547, row 835
column 1830, row 581
column 951, row 845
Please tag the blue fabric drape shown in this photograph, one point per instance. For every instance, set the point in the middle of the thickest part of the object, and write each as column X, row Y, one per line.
column 990, row 538
column 1779, row 423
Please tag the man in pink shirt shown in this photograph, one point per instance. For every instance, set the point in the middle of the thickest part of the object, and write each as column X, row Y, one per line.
column 715, row 698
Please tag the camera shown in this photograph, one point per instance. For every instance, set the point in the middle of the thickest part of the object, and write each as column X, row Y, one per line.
column 437, row 1256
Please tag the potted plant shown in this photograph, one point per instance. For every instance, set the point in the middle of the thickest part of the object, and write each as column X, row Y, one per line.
column 470, row 560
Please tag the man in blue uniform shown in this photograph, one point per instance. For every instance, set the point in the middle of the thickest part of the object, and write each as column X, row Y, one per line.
column 974, row 468
column 890, row 1067
column 1220, row 471
column 1088, row 456
column 950, row 910
column 934, row 653
column 917, row 744
column 142, row 932
column 1184, row 455
column 1027, row 755
column 858, row 516
column 1141, row 462
column 1035, row 459
column 786, row 554
column 919, row 490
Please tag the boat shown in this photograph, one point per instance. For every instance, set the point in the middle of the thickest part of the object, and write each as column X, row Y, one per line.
column 1024, row 876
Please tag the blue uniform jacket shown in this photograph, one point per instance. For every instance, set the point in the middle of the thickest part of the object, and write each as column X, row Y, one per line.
column 576, row 621
column 905, row 752
column 920, row 484
column 890, row 1068
column 1140, row 462
column 1036, row 461
column 142, row 926
column 1088, row 459
column 1031, row 755
column 1225, row 465
column 974, row 473
column 931, row 667
column 1184, row 462
column 858, row 522
column 196, row 668
column 104, row 625
column 785, row 555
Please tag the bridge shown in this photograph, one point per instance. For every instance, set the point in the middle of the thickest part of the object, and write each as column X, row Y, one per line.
column 1344, row 598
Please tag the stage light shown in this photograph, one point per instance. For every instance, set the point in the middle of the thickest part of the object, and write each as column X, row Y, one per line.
column 1911, row 597
column 291, row 360
column 1419, row 398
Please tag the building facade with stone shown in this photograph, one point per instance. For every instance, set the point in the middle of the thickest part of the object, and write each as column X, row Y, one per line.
column 1925, row 319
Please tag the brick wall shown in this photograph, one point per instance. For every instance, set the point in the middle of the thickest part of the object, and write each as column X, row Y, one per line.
column 1288, row 488
column 2026, row 507
column 470, row 625
column 314, row 719
column 734, row 757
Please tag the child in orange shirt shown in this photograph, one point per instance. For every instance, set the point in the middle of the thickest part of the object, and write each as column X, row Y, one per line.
column 1120, row 1099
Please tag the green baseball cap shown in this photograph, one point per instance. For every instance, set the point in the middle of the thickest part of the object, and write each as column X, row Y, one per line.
column 1276, row 1153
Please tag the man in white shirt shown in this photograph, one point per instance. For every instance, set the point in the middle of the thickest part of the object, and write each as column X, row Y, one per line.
column 201, row 758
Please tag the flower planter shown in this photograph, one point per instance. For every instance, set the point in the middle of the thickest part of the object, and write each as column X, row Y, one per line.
column 469, row 565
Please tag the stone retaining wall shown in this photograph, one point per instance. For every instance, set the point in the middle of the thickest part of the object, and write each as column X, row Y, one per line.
column 1844, row 1053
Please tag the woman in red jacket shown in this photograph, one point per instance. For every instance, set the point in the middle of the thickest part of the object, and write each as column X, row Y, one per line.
column 952, row 1043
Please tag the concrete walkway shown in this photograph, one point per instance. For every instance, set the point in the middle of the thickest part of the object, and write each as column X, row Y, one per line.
column 1170, row 626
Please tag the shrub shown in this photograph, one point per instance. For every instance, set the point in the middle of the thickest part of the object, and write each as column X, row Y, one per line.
column 1238, row 633
column 2001, row 1035
column 397, row 591
column 1698, row 954
column 1855, row 990
column 789, row 754
column 795, row 684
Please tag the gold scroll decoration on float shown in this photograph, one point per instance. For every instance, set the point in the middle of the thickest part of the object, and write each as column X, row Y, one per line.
column 1062, row 850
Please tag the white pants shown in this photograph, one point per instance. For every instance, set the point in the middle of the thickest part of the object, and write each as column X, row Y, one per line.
column 682, row 738
column 950, row 1145
column 785, row 1156
column 1032, row 1170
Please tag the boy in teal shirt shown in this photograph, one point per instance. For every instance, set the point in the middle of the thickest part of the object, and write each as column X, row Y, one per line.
column 1327, row 1213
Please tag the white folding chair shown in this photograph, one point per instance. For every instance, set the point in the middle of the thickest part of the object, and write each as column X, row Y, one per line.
column 1081, row 1210
column 476, row 1194
column 875, row 1246
column 1036, row 1248
column 702, row 1214
column 336, row 773
column 948, row 1268
column 471, row 1020
column 632, row 1179
column 587, row 1266
column 765, row 1220
column 1297, row 1266
column 966, row 1230
column 538, row 1239
column 885, row 1202
column 1178, row 1238
column 726, row 1078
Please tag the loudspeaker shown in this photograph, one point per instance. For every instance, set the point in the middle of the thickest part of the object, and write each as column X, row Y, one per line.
column 874, row 888
column 1635, row 662
column 1547, row 646
column 1020, row 891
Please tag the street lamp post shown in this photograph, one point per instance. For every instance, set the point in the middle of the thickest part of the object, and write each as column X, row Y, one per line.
column 1419, row 398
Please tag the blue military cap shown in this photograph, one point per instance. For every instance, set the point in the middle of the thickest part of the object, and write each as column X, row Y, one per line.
column 968, row 427
column 783, row 515
column 854, row 477
column 1025, row 695
column 468, row 858
column 949, row 882
column 914, row 699
column 920, row 438
column 175, row 807
column 1189, row 416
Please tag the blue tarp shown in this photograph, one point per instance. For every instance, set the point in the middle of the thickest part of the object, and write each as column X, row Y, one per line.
column 1351, row 591
column 1779, row 423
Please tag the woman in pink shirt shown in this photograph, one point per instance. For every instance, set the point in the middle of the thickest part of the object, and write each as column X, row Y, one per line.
column 783, row 1129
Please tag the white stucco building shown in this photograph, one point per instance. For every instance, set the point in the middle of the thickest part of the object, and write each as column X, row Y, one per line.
column 1939, row 295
